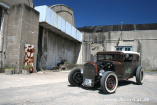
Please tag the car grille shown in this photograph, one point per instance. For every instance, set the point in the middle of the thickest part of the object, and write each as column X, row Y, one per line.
column 89, row 73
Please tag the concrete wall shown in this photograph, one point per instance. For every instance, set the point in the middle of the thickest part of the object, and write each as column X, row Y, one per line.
column 29, row 32
column 21, row 27
column 52, row 48
column 143, row 42
column 13, row 2
column 122, row 27
column 65, row 12
column 3, row 18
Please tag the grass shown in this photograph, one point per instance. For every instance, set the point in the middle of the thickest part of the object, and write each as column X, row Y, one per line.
column 9, row 68
column 150, row 70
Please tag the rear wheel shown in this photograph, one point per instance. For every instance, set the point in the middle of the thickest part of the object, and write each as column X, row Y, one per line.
column 109, row 82
column 75, row 77
column 139, row 76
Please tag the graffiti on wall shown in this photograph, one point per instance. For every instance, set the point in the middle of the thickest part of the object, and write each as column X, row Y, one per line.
column 29, row 56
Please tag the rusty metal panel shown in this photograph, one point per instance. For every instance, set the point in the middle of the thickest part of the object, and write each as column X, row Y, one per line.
column 29, row 56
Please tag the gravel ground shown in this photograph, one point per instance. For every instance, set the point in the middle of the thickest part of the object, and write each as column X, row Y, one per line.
column 53, row 88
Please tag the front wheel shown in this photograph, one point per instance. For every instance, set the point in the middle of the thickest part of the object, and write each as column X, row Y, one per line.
column 109, row 82
column 139, row 76
column 75, row 77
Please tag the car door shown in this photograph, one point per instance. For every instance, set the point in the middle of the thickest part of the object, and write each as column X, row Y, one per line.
column 135, row 64
column 128, row 62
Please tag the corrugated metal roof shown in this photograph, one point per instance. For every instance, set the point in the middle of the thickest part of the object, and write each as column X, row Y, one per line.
column 50, row 20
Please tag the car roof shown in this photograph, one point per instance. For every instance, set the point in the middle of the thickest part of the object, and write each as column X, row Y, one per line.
column 118, row 52
column 130, row 52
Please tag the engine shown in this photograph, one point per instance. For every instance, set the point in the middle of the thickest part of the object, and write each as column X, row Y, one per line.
column 92, row 72
column 105, row 66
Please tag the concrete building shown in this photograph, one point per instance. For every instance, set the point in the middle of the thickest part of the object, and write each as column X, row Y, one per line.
column 65, row 12
column 141, row 38
column 45, row 36
column 18, row 34
column 58, row 39
column 40, row 36
column 19, row 31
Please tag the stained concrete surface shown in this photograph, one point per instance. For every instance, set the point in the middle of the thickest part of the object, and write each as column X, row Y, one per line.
column 124, row 27
column 54, row 48
column 20, row 27
column 13, row 2
column 52, row 88
column 141, row 41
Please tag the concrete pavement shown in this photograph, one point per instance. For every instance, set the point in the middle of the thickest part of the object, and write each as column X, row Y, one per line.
column 52, row 88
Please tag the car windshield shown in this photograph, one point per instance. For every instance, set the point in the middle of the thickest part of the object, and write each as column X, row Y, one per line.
column 114, row 57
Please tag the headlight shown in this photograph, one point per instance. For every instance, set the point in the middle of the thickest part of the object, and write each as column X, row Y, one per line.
column 81, row 71
column 109, row 65
column 101, row 72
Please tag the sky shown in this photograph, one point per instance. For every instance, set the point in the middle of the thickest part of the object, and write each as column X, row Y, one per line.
column 108, row 12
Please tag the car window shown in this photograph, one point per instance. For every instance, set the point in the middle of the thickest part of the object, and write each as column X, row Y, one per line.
column 135, row 58
column 108, row 57
column 114, row 57
column 128, row 58
column 105, row 57
column 101, row 57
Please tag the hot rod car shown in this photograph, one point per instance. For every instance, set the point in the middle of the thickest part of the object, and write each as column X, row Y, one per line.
column 111, row 66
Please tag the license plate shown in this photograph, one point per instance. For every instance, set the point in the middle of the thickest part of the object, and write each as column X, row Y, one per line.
column 87, row 82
